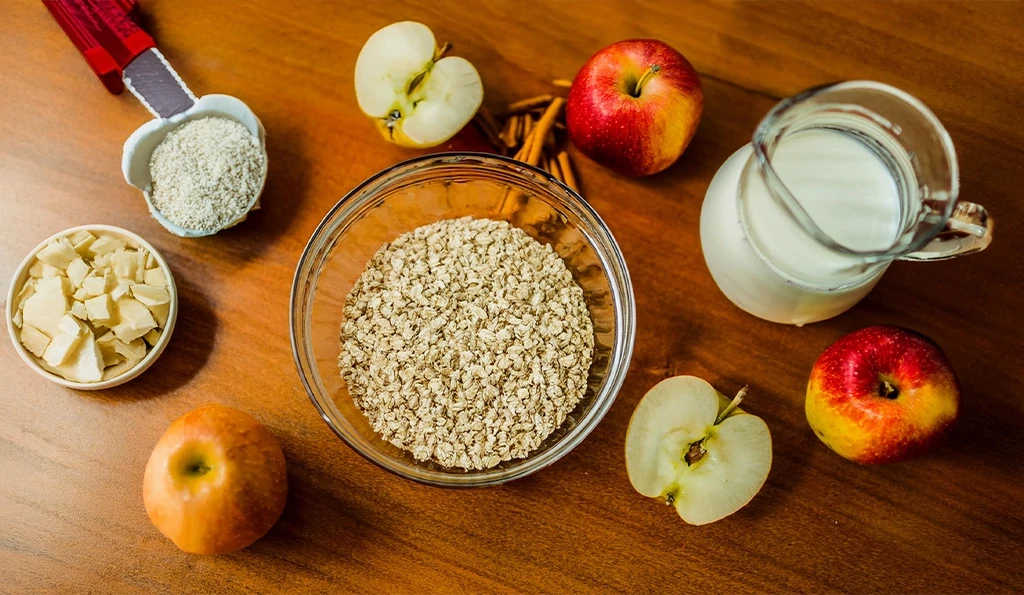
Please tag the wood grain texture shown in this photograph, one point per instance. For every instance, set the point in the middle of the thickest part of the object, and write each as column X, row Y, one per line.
column 71, row 464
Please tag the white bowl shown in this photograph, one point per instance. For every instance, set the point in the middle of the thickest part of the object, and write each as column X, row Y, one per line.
column 138, row 150
column 21, row 276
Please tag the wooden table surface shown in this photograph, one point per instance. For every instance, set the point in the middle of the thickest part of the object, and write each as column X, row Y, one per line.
column 71, row 463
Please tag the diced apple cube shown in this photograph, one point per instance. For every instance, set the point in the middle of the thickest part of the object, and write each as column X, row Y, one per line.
column 152, row 337
column 60, row 348
column 77, row 271
column 118, row 369
column 47, row 284
column 134, row 320
column 151, row 296
column 72, row 326
column 80, row 236
column 36, row 270
column 135, row 350
column 34, row 340
column 85, row 364
column 100, row 263
column 17, row 318
column 150, row 261
column 125, row 264
column 45, row 308
column 122, row 289
column 79, row 311
column 156, row 278
column 106, row 244
column 100, row 309
column 26, row 292
column 81, row 294
column 58, row 254
column 160, row 314
column 140, row 269
column 49, row 272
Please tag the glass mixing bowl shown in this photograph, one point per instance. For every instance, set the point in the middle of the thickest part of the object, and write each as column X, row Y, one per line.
column 446, row 186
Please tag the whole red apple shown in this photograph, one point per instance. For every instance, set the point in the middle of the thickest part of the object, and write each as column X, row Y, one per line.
column 635, row 106
column 216, row 481
column 882, row 394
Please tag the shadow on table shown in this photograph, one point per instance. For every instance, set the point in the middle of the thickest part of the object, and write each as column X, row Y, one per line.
column 187, row 350
column 287, row 189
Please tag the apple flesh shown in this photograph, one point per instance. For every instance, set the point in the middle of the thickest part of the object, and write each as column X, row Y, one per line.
column 691, row 447
column 635, row 106
column 882, row 394
column 216, row 481
column 417, row 96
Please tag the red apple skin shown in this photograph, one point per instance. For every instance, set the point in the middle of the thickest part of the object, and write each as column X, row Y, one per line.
column 845, row 408
column 634, row 136
column 231, row 503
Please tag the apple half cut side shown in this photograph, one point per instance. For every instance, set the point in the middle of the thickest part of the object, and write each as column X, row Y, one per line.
column 418, row 96
column 690, row 446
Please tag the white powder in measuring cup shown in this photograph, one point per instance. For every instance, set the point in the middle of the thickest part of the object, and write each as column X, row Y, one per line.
column 205, row 173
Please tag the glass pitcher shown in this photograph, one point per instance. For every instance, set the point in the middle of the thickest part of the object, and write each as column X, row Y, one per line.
column 838, row 182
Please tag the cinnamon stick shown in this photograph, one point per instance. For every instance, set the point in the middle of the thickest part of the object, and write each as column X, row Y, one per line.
column 567, row 174
column 543, row 127
column 529, row 103
column 564, row 83
column 554, row 169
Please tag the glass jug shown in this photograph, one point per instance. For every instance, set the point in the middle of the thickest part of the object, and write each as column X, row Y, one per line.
column 838, row 182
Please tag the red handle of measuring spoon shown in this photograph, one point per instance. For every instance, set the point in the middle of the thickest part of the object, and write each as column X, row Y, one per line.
column 105, row 34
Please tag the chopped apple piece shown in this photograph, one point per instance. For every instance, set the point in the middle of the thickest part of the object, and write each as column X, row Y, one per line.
column 118, row 369
column 122, row 289
column 134, row 350
column 125, row 264
column 36, row 270
column 26, row 292
column 17, row 318
column 140, row 268
column 152, row 337
column 160, row 313
column 72, row 326
column 687, row 445
column 79, row 311
column 80, row 294
column 49, row 272
column 44, row 309
column 85, row 364
column 34, row 340
column 82, row 240
column 58, row 254
column 100, row 309
column 106, row 244
column 60, row 348
column 134, row 320
column 151, row 296
column 77, row 271
column 151, row 261
column 156, row 278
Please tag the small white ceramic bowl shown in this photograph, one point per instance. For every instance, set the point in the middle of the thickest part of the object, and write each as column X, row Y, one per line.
column 21, row 276
column 138, row 150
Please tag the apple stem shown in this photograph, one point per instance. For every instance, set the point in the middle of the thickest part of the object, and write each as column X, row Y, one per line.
column 733, row 405
column 440, row 52
column 653, row 70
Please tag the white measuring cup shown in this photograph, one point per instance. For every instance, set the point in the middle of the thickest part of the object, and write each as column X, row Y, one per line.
column 138, row 150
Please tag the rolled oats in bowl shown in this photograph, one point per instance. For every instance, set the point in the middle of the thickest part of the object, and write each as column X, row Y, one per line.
column 466, row 342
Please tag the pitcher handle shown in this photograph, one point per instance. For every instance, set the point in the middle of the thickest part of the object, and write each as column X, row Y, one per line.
column 968, row 230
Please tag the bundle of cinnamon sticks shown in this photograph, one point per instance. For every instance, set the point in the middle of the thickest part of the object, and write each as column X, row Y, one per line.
column 532, row 130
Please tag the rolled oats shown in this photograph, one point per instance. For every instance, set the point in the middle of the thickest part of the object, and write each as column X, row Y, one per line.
column 466, row 342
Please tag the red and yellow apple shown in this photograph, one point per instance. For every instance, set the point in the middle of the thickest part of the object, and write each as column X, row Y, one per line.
column 635, row 106
column 882, row 394
column 216, row 481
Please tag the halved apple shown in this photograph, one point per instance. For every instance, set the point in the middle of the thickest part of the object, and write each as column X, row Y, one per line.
column 690, row 446
column 419, row 97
